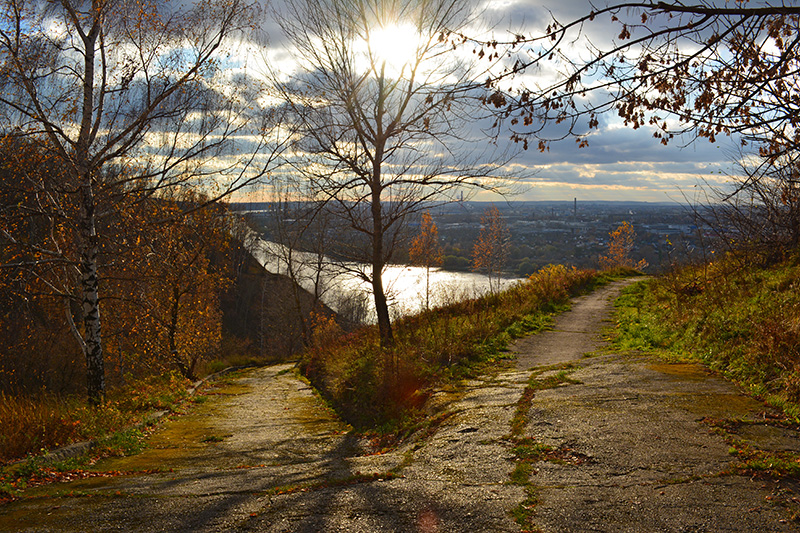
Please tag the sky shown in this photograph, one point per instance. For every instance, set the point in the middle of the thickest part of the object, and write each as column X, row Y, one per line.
column 619, row 163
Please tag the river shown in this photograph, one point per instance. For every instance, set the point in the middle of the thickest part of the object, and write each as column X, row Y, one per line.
column 340, row 284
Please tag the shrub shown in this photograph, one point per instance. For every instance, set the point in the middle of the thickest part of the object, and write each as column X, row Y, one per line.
column 31, row 424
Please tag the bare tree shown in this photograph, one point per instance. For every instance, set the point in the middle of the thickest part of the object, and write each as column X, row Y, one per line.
column 760, row 214
column 382, row 137
column 129, row 85
column 299, row 230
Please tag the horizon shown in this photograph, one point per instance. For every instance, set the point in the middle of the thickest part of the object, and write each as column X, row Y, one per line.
column 501, row 203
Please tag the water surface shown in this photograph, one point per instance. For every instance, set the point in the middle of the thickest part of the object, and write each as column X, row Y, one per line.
column 339, row 284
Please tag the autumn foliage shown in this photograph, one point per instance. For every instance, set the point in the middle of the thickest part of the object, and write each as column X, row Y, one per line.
column 426, row 251
column 490, row 253
column 620, row 246
column 706, row 69
column 169, row 280
column 163, row 273
column 182, row 296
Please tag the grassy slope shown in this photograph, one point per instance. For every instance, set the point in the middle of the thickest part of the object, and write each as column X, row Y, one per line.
column 742, row 321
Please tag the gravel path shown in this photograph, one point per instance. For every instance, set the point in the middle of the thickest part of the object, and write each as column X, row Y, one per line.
column 630, row 453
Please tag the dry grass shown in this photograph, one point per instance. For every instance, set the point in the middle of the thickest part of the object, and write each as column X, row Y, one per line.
column 33, row 424
column 372, row 387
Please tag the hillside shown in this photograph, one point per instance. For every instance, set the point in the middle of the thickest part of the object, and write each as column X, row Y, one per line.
column 738, row 318
column 567, row 436
column 265, row 316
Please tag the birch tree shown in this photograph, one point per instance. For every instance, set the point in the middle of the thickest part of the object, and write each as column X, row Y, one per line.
column 105, row 84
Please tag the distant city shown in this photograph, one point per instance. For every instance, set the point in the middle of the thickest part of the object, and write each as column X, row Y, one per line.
column 571, row 233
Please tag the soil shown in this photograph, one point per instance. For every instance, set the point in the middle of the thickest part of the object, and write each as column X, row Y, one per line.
column 634, row 446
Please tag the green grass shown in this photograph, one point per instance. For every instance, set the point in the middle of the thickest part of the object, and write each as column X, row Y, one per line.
column 740, row 320
column 528, row 450
column 128, row 441
column 772, row 463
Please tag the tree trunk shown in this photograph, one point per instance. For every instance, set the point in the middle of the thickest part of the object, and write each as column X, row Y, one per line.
column 172, row 335
column 92, row 339
column 381, row 305
column 427, row 287
column 794, row 217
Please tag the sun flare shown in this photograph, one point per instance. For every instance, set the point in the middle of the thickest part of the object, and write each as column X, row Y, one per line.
column 395, row 45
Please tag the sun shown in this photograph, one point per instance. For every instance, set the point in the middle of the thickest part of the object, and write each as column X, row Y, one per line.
column 396, row 46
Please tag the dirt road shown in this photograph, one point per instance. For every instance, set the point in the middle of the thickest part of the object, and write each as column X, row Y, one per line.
column 628, row 450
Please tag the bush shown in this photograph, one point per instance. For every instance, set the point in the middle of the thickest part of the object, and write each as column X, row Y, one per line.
column 32, row 424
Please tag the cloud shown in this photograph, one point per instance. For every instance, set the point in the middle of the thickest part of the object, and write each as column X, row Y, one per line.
column 622, row 164
column 619, row 162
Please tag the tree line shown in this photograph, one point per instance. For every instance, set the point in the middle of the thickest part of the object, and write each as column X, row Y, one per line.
column 162, row 274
